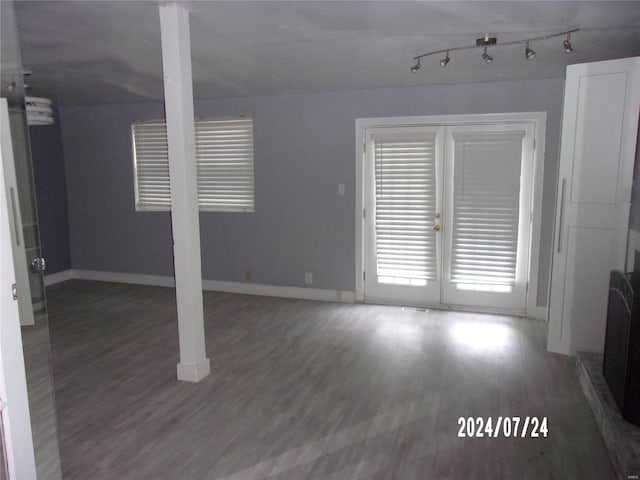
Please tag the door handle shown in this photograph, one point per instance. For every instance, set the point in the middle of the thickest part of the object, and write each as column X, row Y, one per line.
column 561, row 215
column 38, row 265
column 14, row 210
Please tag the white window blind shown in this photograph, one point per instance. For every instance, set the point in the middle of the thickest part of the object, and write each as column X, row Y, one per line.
column 486, row 197
column 405, row 202
column 224, row 153
column 150, row 153
column 224, row 160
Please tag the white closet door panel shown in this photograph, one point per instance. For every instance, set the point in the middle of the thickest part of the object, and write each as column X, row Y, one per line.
column 600, row 121
column 587, row 328
column 597, row 139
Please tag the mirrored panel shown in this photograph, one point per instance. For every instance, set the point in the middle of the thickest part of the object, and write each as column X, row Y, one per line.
column 34, row 322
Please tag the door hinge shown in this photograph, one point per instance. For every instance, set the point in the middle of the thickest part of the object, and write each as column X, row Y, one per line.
column 364, row 213
column 364, row 276
column 14, row 291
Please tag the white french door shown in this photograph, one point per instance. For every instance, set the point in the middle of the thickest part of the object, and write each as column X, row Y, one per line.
column 487, row 225
column 404, row 180
column 448, row 214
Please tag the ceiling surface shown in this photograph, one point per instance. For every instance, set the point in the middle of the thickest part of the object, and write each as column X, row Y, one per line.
column 89, row 52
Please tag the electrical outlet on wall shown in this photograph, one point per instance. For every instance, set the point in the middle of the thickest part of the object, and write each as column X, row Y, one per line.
column 308, row 278
column 248, row 276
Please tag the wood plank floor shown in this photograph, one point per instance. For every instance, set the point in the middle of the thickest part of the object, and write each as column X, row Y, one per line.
column 307, row 390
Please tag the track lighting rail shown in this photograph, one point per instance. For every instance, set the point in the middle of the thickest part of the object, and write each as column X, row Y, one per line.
column 491, row 42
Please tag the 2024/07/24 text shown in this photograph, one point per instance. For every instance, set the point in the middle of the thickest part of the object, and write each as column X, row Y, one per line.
column 507, row 427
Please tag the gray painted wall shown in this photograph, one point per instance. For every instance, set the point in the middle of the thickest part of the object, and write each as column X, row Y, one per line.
column 106, row 233
column 51, row 195
column 304, row 147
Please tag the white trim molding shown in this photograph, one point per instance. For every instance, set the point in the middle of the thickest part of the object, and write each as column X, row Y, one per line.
column 539, row 313
column 58, row 277
column 300, row 293
column 279, row 291
column 117, row 277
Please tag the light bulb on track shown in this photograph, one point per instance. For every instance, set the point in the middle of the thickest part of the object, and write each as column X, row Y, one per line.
column 568, row 48
column 529, row 53
column 486, row 57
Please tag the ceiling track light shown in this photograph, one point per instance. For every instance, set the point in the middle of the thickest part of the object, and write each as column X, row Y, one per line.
column 486, row 57
column 445, row 60
column 528, row 53
column 568, row 48
column 488, row 41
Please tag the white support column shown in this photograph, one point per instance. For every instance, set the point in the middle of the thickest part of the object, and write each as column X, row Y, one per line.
column 178, row 100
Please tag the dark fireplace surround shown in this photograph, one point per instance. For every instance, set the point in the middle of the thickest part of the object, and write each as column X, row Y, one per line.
column 621, row 366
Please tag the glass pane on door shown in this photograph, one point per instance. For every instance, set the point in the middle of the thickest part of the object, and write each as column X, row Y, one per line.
column 405, row 204
column 404, row 199
column 486, row 194
column 487, row 230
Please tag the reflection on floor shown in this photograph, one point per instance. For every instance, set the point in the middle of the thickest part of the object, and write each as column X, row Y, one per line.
column 308, row 390
column 37, row 360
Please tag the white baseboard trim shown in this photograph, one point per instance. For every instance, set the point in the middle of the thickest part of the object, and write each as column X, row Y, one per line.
column 117, row 277
column 539, row 313
column 63, row 276
column 208, row 285
column 278, row 291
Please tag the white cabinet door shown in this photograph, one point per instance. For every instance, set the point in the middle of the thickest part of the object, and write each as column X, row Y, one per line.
column 600, row 121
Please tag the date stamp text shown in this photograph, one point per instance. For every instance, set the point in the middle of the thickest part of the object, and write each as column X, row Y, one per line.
column 506, row 427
